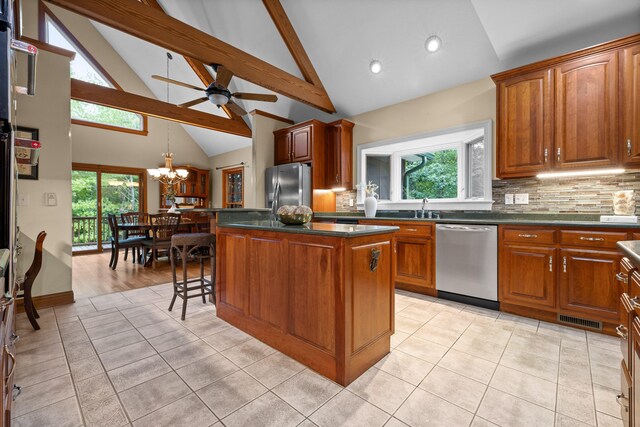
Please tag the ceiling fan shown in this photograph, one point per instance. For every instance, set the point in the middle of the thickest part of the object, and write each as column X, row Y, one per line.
column 218, row 93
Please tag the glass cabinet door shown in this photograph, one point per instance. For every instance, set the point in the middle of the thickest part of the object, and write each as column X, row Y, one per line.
column 232, row 188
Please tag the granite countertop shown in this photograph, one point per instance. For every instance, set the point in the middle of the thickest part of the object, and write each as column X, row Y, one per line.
column 570, row 220
column 631, row 249
column 317, row 228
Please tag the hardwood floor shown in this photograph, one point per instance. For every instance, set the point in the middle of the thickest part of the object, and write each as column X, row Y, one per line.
column 92, row 275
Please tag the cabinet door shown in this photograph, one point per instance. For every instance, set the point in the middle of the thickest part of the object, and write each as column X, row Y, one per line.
column 527, row 276
column 301, row 140
column 588, row 284
column 586, row 112
column 635, row 373
column 631, row 105
column 414, row 263
column 282, row 148
column 525, row 123
column 333, row 150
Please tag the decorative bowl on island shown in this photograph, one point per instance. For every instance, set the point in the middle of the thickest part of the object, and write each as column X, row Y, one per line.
column 294, row 215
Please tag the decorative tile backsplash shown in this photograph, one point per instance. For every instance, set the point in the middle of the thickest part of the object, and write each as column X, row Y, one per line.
column 589, row 194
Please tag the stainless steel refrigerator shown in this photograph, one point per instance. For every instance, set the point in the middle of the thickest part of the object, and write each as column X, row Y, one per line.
column 288, row 184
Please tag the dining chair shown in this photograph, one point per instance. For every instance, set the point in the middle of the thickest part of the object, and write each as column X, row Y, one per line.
column 135, row 218
column 163, row 227
column 117, row 243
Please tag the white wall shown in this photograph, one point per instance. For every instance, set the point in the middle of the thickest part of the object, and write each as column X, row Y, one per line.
column 48, row 112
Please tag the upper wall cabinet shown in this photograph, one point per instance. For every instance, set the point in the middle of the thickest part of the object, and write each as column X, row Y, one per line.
column 525, row 127
column 630, row 130
column 339, row 154
column 587, row 112
column 303, row 143
column 564, row 113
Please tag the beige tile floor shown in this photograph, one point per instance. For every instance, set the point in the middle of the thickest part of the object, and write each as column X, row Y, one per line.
column 123, row 359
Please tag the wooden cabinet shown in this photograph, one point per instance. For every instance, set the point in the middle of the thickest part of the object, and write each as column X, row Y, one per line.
column 587, row 284
column 193, row 191
column 414, row 255
column 586, row 112
column 302, row 143
column 635, row 372
column 528, row 275
column 549, row 271
column 576, row 111
column 339, row 154
column 525, row 111
column 630, row 130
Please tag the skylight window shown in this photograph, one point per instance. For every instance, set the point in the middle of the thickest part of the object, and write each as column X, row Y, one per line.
column 83, row 68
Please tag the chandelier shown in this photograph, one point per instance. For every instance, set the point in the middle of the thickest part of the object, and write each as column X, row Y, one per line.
column 167, row 175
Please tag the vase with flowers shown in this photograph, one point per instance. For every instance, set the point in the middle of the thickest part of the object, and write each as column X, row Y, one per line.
column 371, row 200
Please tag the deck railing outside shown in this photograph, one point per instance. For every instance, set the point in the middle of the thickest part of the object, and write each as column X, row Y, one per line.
column 86, row 229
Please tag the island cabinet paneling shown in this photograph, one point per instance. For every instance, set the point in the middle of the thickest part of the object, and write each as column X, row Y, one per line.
column 316, row 298
column 587, row 112
column 526, row 123
column 545, row 272
column 312, row 294
column 630, row 66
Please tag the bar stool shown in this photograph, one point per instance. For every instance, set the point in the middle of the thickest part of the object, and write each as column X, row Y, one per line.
column 194, row 246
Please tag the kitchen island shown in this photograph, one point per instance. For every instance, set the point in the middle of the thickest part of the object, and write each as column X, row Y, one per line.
column 322, row 294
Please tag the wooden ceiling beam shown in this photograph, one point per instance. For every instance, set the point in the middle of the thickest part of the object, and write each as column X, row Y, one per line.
column 290, row 38
column 199, row 68
column 154, row 26
column 101, row 95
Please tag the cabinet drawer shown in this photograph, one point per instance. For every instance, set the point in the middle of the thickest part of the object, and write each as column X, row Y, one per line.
column 413, row 229
column 634, row 284
column 529, row 235
column 599, row 239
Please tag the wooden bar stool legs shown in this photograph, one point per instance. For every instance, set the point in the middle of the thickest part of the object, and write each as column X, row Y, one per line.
column 185, row 247
column 29, row 278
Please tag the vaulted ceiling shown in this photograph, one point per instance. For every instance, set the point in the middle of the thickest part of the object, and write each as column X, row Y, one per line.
column 341, row 38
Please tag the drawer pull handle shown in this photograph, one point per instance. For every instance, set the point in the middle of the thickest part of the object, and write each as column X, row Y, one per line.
column 528, row 236
column 558, row 154
column 621, row 277
column 634, row 303
column 546, row 155
column 592, row 239
column 564, row 264
column 412, row 229
column 622, row 332
column 551, row 263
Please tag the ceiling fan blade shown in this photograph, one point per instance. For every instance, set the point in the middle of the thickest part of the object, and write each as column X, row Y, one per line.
column 255, row 96
column 176, row 82
column 194, row 102
column 236, row 108
column 223, row 76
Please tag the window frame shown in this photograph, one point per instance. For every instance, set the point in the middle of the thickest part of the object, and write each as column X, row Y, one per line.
column 44, row 13
column 462, row 202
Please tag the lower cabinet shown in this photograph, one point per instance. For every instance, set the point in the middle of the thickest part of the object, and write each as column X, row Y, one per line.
column 635, row 374
column 413, row 264
column 528, row 275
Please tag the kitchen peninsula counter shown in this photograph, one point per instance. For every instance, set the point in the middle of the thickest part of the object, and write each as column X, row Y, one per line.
column 322, row 294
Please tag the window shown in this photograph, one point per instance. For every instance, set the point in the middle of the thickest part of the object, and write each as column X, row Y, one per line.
column 84, row 68
column 451, row 168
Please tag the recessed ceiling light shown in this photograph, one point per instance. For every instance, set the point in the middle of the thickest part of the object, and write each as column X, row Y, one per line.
column 433, row 44
column 375, row 66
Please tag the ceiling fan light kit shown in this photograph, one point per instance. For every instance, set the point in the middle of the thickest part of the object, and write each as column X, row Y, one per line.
column 375, row 66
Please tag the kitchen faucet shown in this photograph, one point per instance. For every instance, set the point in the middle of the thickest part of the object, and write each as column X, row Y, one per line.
column 424, row 202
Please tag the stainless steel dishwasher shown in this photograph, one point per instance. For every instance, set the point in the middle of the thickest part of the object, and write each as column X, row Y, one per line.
column 467, row 263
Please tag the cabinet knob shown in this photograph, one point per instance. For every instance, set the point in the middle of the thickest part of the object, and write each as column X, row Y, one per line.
column 620, row 398
column 634, row 303
column 528, row 236
column 592, row 239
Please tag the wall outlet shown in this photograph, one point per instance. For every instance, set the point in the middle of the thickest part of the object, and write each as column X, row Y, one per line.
column 351, row 202
column 522, row 199
column 508, row 199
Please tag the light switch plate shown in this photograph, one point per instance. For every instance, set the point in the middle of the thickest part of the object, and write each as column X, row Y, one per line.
column 522, row 199
column 508, row 199
column 50, row 199
column 350, row 202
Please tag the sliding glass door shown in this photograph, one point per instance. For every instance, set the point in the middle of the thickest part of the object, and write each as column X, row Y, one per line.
column 98, row 191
